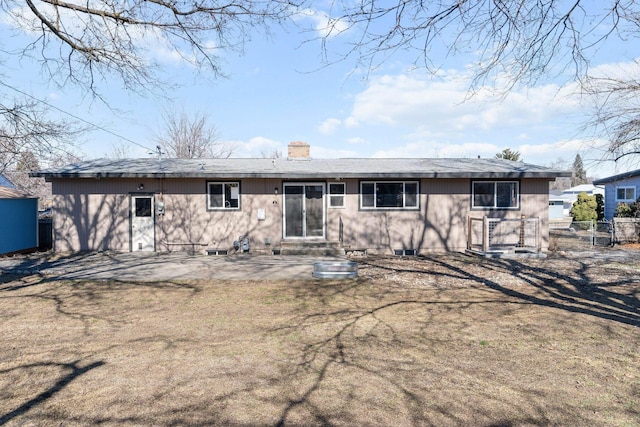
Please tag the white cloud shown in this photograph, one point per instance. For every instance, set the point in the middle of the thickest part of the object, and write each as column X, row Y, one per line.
column 597, row 161
column 620, row 70
column 356, row 140
column 541, row 154
column 444, row 105
column 438, row 150
column 256, row 147
column 324, row 24
column 350, row 122
column 319, row 152
column 558, row 149
column 329, row 126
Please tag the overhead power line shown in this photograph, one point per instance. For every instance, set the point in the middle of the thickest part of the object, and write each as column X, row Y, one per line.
column 74, row 116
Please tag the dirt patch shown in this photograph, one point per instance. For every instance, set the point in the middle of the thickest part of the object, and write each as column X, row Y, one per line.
column 449, row 340
column 631, row 246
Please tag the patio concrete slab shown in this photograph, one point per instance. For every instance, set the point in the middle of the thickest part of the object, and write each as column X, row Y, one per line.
column 163, row 266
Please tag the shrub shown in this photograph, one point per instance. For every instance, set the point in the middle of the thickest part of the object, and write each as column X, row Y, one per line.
column 585, row 208
column 628, row 210
column 600, row 208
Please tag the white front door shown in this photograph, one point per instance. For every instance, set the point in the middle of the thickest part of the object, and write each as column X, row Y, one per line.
column 142, row 223
column 304, row 213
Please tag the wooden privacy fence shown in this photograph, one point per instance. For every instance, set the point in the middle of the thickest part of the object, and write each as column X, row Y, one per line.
column 503, row 235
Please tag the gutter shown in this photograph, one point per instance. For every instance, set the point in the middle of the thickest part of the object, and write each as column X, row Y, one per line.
column 302, row 175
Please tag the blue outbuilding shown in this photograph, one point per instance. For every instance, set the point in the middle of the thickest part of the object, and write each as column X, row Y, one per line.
column 18, row 219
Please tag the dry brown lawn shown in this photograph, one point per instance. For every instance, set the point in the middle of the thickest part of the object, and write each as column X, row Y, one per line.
column 435, row 341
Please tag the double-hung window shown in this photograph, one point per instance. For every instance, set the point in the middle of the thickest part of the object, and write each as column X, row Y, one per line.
column 389, row 195
column 223, row 195
column 495, row 195
column 625, row 194
column 336, row 194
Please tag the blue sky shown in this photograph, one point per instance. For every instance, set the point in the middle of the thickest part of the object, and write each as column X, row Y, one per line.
column 278, row 91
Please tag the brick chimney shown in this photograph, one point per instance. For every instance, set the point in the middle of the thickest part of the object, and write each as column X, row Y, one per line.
column 298, row 150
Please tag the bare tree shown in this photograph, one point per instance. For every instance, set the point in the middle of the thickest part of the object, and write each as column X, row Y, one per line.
column 273, row 154
column 19, row 175
column 519, row 40
column 186, row 137
column 25, row 130
column 560, row 183
column 510, row 43
column 83, row 42
column 616, row 118
column 119, row 151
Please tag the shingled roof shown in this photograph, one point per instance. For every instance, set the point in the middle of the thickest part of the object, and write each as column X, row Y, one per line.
column 617, row 177
column 6, row 182
column 8, row 190
column 367, row 168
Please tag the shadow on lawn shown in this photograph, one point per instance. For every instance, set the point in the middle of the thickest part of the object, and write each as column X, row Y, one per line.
column 82, row 299
column 74, row 370
column 137, row 266
column 572, row 290
column 359, row 323
column 342, row 328
column 43, row 265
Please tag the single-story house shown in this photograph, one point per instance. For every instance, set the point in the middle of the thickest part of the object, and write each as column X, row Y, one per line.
column 620, row 188
column 402, row 206
column 561, row 201
column 18, row 219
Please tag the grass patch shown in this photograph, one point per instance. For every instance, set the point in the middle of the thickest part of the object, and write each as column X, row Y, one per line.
column 397, row 346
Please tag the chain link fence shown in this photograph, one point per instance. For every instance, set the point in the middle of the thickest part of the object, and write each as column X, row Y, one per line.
column 582, row 235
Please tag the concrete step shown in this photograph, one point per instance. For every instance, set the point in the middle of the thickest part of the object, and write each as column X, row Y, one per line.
column 310, row 247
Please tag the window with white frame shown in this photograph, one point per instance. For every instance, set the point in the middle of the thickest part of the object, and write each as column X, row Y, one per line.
column 495, row 194
column 626, row 194
column 389, row 195
column 336, row 194
column 223, row 195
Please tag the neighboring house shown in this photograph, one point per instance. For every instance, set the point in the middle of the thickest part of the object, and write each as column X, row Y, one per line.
column 561, row 202
column 556, row 205
column 382, row 205
column 18, row 219
column 620, row 188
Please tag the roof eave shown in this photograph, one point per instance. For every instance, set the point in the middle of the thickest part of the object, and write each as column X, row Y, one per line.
column 618, row 177
column 308, row 175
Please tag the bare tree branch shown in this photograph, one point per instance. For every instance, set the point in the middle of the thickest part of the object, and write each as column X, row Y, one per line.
column 521, row 41
column 25, row 130
column 193, row 137
column 508, row 43
column 81, row 42
column 616, row 109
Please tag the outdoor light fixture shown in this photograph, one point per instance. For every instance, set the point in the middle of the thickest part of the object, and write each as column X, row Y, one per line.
column 275, row 190
column 140, row 187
